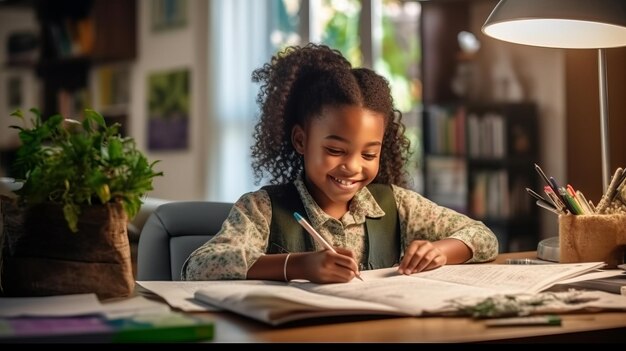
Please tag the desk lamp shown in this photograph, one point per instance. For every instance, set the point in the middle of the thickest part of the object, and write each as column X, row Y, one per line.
column 571, row 24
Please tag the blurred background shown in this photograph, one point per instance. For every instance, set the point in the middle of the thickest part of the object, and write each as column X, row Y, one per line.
column 177, row 75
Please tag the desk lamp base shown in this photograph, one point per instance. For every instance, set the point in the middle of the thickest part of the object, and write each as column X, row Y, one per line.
column 548, row 249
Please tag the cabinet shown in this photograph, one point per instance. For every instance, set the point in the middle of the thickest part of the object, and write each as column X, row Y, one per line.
column 77, row 37
column 478, row 160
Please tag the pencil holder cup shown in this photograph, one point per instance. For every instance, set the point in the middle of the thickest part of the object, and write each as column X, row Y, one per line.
column 592, row 238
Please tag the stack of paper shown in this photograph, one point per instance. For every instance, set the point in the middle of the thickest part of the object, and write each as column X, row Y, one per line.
column 82, row 318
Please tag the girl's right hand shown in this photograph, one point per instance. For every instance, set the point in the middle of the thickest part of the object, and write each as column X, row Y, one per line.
column 324, row 266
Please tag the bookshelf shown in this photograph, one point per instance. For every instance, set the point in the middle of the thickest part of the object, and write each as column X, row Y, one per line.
column 76, row 38
column 479, row 149
column 478, row 160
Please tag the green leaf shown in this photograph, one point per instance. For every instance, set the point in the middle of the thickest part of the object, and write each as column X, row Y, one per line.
column 71, row 213
column 104, row 194
column 18, row 113
column 115, row 149
column 92, row 115
column 80, row 164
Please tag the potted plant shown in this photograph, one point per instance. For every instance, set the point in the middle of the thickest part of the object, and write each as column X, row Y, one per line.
column 66, row 233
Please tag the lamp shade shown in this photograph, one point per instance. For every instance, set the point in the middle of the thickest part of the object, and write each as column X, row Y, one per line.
column 573, row 24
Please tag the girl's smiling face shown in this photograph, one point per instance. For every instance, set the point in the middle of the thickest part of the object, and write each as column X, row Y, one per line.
column 341, row 150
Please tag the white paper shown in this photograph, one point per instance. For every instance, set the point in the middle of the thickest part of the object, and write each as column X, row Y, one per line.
column 383, row 291
column 410, row 294
column 50, row 306
column 180, row 294
column 275, row 303
column 435, row 290
column 593, row 275
column 509, row 278
column 133, row 306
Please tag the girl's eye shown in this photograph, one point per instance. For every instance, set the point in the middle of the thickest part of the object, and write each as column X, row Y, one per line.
column 370, row 157
column 334, row 152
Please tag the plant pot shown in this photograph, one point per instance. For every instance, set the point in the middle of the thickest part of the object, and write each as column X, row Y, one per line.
column 41, row 256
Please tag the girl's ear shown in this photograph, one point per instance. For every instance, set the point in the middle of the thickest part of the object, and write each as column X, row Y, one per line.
column 297, row 138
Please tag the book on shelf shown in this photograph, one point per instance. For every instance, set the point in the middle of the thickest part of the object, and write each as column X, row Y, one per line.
column 446, row 130
column 489, row 195
column 446, row 181
column 487, row 136
column 383, row 292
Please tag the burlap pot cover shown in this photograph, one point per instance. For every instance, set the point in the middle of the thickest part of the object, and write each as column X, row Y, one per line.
column 41, row 256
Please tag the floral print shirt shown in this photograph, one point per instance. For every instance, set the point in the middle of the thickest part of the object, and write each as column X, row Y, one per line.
column 244, row 235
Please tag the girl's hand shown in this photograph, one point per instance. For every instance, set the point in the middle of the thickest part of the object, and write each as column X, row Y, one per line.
column 421, row 255
column 326, row 266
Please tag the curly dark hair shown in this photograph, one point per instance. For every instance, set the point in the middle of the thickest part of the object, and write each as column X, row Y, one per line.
column 295, row 86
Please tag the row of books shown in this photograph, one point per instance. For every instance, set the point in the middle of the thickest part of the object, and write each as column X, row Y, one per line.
column 72, row 37
column 486, row 134
column 446, row 130
column 498, row 195
column 446, row 182
column 491, row 194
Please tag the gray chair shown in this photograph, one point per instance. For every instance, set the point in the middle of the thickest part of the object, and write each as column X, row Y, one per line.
column 172, row 232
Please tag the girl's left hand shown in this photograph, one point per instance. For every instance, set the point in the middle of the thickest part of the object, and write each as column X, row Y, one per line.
column 421, row 255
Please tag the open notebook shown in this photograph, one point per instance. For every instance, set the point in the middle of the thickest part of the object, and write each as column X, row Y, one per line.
column 384, row 292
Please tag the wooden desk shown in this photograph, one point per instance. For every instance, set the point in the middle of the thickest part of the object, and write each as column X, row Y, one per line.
column 589, row 327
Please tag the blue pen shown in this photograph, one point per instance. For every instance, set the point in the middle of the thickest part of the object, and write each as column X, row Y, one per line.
column 562, row 196
column 554, row 185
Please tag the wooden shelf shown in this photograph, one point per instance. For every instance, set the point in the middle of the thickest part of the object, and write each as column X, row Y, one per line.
column 77, row 35
column 478, row 155
column 478, row 160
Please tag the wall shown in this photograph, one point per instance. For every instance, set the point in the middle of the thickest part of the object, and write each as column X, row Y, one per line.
column 184, row 175
column 15, row 19
column 541, row 74
column 584, row 166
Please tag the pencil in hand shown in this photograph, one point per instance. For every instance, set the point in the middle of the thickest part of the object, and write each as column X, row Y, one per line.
column 303, row 222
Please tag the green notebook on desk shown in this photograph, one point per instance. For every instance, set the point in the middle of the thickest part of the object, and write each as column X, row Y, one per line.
column 165, row 327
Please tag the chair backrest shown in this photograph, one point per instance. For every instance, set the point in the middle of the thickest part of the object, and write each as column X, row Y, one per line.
column 172, row 232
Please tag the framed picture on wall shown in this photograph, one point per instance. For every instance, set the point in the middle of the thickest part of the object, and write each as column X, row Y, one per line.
column 168, row 110
column 168, row 14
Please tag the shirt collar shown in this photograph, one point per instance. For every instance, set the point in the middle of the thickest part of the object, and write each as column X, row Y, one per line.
column 362, row 205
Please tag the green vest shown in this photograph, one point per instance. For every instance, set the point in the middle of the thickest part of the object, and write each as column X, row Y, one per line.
column 287, row 235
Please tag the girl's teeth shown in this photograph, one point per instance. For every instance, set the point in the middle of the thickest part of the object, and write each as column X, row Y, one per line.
column 343, row 182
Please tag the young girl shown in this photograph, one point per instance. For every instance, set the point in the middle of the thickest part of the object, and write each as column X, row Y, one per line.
column 327, row 131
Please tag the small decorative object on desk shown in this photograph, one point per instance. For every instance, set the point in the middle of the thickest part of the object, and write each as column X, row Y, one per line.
column 65, row 233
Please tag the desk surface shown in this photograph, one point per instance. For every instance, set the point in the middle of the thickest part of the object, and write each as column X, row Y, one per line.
column 596, row 327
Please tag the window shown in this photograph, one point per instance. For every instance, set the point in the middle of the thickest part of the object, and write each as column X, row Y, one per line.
column 380, row 34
